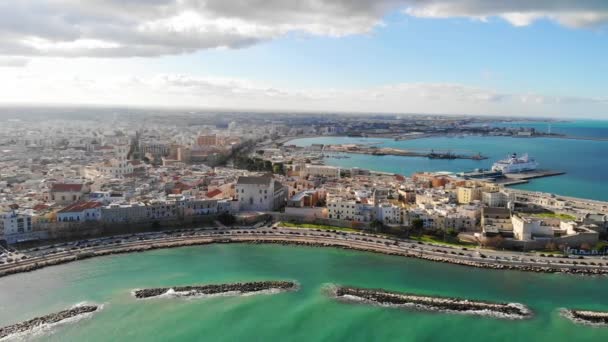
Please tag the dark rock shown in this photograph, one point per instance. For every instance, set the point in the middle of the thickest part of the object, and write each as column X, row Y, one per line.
column 218, row 288
column 48, row 319
column 508, row 310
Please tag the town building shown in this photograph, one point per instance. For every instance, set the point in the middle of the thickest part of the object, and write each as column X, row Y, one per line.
column 80, row 212
column 259, row 193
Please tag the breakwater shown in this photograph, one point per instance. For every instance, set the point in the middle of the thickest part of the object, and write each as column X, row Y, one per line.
column 383, row 151
column 215, row 289
column 46, row 320
column 434, row 303
column 598, row 318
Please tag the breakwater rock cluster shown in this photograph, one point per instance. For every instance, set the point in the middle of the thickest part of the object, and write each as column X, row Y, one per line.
column 45, row 320
column 444, row 304
column 214, row 289
column 598, row 318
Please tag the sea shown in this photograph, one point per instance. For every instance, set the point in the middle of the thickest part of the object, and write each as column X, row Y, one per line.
column 584, row 161
column 309, row 314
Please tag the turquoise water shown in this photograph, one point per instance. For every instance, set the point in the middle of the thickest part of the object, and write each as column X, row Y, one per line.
column 306, row 315
column 584, row 161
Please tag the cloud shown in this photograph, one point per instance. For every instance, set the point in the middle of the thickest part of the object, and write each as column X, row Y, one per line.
column 125, row 28
column 13, row 62
column 171, row 90
column 570, row 13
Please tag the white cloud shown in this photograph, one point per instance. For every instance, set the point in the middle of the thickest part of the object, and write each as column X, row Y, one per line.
column 13, row 62
column 570, row 13
column 124, row 28
column 229, row 93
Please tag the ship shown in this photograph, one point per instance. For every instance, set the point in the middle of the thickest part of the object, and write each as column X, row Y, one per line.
column 515, row 164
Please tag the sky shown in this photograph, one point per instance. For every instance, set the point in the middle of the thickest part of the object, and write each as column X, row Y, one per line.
column 513, row 58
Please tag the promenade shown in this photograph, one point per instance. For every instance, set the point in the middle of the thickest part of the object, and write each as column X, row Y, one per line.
column 69, row 252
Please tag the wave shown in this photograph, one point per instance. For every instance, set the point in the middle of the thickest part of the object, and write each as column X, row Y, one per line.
column 50, row 328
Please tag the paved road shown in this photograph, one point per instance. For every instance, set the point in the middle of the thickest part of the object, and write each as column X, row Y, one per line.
column 347, row 239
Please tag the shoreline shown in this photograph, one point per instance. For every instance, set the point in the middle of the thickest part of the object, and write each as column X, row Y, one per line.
column 296, row 237
column 432, row 303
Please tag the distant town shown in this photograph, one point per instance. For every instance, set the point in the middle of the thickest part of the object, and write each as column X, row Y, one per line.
column 66, row 177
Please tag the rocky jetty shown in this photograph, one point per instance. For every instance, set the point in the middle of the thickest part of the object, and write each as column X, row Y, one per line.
column 444, row 304
column 599, row 318
column 45, row 320
column 214, row 289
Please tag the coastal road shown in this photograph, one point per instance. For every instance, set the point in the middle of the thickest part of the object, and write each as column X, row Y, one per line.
column 67, row 252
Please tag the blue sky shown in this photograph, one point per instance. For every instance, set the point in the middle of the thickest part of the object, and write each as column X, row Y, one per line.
column 448, row 57
column 542, row 57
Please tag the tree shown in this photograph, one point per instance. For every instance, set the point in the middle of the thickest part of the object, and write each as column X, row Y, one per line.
column 376, row 226
column 494, row 242
column 226, row 219
column 278, row 169
column 417, row 226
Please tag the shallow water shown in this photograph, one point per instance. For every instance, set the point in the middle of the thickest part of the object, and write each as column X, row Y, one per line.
column 305, row 315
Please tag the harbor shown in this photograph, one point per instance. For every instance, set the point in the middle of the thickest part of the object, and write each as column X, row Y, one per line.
column 382, row 151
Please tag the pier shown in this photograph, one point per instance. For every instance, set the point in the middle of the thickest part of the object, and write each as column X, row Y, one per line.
column 525, row 177
column 510, row 178
column 382, row 151
column 534, row 174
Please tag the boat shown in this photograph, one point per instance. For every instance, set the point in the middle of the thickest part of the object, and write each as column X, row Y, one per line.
column 515, row 164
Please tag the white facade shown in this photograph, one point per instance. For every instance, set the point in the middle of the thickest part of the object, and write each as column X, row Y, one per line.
column 322, row 171
column 495, row 199
column 15, row 223
column 259, row 193
column 350, row 210
column 525, row 228
column 389, row 214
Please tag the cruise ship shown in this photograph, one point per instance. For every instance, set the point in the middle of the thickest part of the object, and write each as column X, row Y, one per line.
column 515, row 164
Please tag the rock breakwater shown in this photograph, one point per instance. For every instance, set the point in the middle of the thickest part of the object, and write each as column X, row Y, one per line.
column 216, row 289
column 46, row 320
column 597, row 318
column 433, row 303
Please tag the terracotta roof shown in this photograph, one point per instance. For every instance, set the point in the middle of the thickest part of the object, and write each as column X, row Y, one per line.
column 61, row 187
column 182, row 186
column 213, row 193
column 40, row 206
column 80, row 206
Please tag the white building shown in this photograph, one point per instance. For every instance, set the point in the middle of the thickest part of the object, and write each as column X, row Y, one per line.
column 259, row 193
column 494, row 199
column 80, row 212
column 15, row 222
column 321, row 171
column 388, row 213
column 524, row 228
column 350, row 210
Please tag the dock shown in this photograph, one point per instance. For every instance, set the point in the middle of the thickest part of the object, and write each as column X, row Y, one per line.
column 510, row 178
column 383, row 151
column 533, row 174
